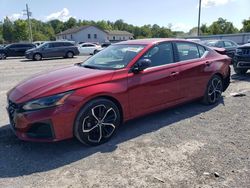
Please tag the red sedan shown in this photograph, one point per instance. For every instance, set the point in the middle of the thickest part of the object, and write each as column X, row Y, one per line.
column 91, row 99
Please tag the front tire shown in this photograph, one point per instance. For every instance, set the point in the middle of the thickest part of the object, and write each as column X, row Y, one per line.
column 213, row 91
column 238, row 71
column 97, row 122
column 37, row 57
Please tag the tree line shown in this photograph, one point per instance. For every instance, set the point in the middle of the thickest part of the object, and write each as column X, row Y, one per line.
column 15, row 31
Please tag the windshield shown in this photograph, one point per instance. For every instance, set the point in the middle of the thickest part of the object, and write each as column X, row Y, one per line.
column 113, row 57
column 43, row 45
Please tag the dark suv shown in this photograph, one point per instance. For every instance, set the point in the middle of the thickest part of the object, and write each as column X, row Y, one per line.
column 52, row 49
column 241, row 60
column 15, row 50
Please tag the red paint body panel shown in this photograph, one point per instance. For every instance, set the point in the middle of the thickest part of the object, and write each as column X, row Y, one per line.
column 138, row 94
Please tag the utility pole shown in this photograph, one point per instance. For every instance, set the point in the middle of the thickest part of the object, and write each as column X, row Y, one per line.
column 199, row 18
column 28, row 14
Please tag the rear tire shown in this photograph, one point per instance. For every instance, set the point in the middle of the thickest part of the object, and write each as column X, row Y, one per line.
column 69, row 55
column 213, row 91
column 3, row 56
column 97, row 122
column 37, row 57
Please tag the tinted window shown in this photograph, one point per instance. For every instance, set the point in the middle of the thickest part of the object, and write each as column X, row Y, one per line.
column 13, row 46
column 187, row 51
column 202, row 50
column 219, row 44
column 57, row 44
column 229, row 44
column 68, row 44
column 47, row 45
column 27, row 45
column 160, row 55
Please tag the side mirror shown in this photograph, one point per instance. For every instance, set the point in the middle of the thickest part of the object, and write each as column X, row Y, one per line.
column 141, row 65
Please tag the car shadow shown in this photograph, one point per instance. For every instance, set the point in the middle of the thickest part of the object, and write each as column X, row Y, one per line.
column 18, row 158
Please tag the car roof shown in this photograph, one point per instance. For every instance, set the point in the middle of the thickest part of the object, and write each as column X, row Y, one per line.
column 151, row 41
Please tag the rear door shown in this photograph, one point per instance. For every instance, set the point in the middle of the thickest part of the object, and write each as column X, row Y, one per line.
column 58, row 49
column 194, row 74
column 156, row 86
column 13, row 50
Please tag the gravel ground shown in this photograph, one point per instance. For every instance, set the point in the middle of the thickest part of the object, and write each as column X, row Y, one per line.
column 188, row 146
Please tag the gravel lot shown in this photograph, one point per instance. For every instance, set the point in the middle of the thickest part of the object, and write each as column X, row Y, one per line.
column 188, row 146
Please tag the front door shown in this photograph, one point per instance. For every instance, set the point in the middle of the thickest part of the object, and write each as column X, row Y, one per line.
column 156, row 86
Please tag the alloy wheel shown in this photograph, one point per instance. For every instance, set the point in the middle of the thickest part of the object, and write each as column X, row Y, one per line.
column 2, row 56
column 215, row 89
column 37, row 57
column 70, row 55
column 99, row 123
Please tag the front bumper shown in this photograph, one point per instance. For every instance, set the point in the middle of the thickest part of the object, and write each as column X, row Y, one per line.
column 29, row 55
column 45, row 125
column 242, row 62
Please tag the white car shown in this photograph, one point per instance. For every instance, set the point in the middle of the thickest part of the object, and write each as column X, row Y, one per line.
column 88, row 48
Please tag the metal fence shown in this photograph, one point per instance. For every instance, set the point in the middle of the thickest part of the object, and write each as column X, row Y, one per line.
column 240, row 38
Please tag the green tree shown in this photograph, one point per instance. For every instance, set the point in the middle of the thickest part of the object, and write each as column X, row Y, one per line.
column 1, row 33
column 8, row 30
column 222, row 26
column 204, row 29
column 72, row 22
column 21, row 30
column 246, row 25
column 58, row 25
column 103, row 25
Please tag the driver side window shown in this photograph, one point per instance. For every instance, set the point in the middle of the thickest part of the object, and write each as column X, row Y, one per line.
column 160, row 54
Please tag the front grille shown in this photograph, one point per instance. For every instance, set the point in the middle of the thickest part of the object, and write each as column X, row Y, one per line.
column 12, row 108
column 245, row 51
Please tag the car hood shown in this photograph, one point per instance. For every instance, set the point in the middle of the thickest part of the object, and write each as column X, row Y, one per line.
column 32, row 50
column 58, row 81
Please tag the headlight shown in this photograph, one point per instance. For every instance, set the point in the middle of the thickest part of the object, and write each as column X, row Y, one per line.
column 238, row 50
column 46, row 102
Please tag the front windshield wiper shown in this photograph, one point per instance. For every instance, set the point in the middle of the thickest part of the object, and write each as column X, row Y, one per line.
column 90, row 67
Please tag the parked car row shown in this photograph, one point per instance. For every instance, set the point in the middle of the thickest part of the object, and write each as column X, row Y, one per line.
column 48, row 49
column 52, row 49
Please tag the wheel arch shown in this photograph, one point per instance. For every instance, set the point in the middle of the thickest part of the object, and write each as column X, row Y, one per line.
column 114, row 100
column 70, row 51
column 107, row 97
column 38, row 53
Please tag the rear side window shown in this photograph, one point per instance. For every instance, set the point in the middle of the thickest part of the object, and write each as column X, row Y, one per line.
column 187, row 51
column 161, row 54
column 202, row 50
column 219, row 44
column 67, row 44
column 57, row 44
column 229, row 44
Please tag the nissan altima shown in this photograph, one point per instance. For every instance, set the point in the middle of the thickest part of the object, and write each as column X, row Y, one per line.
column 90, row 100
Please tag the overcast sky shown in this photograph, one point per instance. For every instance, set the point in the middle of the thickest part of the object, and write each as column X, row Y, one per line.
column 182, row 14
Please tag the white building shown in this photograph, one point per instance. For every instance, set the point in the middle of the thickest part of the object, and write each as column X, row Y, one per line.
column 93, row 34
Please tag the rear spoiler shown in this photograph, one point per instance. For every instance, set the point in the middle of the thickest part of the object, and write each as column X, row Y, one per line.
column 221, row 51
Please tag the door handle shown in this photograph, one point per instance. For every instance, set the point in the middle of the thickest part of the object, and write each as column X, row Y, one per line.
column 207, row 63
column 174, row 73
